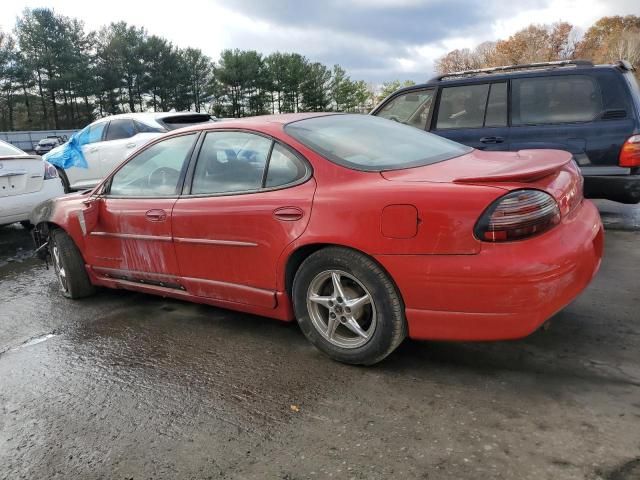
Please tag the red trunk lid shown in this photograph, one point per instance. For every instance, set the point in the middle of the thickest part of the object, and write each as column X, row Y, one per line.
column 548, row 170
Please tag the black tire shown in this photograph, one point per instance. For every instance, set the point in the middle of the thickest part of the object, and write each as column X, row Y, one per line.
column 73, row 279
column 26, row 224
column 390, row 326
column 65, row 180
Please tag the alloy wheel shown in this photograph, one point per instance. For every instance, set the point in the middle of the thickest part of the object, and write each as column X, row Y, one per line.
column 341, row 309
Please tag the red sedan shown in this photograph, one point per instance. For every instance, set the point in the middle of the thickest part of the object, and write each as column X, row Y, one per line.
column 364, row 230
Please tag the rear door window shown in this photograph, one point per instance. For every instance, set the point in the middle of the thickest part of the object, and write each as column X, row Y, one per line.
column 555, row 99
column 411, row 108
column 230, row 162
column 119, row 129
column 284, row 168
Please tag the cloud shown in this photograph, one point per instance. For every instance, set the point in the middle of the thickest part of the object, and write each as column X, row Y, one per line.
column 375, row 40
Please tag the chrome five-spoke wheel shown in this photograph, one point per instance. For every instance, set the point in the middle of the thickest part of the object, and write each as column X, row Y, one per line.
column 348, row 306
column 341, row 309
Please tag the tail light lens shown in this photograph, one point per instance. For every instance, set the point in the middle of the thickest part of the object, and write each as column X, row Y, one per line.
column 519, row 214
column 49, row 171
column 630, row 152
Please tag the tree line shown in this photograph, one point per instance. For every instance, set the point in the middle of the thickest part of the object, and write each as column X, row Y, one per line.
column 56, row 74
column 609, row 39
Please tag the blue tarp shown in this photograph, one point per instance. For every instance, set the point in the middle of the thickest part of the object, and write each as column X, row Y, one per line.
column 69, row 154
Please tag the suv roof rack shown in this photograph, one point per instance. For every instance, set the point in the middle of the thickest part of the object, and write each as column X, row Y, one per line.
column 507, row 68
column 625, row 65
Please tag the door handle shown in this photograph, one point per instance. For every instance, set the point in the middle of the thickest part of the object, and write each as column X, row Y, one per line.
column 156, row 215
column 288, row 214
column 130, row 145
column 93, row 149
column 491, row 140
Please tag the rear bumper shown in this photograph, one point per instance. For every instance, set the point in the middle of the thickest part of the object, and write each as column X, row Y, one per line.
column 507, row 290
column 17, row 208
column 619, row 188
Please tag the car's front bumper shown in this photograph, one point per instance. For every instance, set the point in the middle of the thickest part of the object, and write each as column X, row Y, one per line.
column 17, row 208
column 507, row 290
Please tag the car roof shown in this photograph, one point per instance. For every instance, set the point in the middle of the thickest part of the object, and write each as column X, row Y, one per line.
column 257, row 121
column 514, row 71
column 145, row 117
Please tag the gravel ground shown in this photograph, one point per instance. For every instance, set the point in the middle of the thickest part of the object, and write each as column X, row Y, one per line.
column 130, row 386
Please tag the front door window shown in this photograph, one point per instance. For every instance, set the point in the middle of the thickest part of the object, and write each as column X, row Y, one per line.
column 157, row 171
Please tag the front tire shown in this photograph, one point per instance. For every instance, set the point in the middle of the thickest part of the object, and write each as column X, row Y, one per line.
column 348, row 307
column 64, row 179
column 69, row 266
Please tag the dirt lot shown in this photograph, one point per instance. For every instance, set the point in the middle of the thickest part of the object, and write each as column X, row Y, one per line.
column 125, row 385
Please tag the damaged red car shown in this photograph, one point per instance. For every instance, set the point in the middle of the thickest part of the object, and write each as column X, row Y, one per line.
column 364, row 230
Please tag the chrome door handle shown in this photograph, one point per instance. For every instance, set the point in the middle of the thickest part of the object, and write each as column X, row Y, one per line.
column 130, row 145
column 93, row 149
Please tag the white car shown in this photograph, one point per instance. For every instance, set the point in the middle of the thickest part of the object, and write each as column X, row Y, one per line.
column 25, row 181
column 107, row 142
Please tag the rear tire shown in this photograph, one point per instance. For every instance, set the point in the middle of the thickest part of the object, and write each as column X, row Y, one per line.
column 69, row 266
column 348, row 307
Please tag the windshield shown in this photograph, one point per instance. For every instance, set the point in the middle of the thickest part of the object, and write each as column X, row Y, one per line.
column 368, row 143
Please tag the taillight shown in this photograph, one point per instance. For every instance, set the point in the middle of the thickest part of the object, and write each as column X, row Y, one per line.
column 630, row 152
column 517, row 215
column 49, row 171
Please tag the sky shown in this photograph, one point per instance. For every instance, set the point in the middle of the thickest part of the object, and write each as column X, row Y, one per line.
column 374, row 40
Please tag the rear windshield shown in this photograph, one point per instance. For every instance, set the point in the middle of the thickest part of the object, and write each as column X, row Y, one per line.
column 179, row 121
column 7, row 150
column 364, row 142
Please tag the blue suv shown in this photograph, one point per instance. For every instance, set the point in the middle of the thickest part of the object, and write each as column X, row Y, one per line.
column 592, row 111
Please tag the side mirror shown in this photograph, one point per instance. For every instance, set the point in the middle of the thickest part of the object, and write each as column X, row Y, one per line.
column 88, row 215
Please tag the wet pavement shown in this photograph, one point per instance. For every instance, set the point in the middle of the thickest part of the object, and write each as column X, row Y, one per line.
column 125, row 385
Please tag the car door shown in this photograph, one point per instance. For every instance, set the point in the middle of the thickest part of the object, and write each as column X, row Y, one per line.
column 90, row 141
column 250, row 197
column 132, row 237
column 119, row 142
column 474, row 114
column 556, row 111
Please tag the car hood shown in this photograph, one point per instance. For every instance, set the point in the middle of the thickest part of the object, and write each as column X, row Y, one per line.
column 481, row 166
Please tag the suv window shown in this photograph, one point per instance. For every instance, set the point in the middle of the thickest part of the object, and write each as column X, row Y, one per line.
column 411, row 108
column 230, row 162
column 555, row 99
column 154, row 172
column 284, row 167
column 496, row 115
column 121, row 128
column 462, row 107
